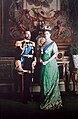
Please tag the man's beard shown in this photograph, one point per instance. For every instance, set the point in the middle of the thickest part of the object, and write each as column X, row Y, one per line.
column 27, row 38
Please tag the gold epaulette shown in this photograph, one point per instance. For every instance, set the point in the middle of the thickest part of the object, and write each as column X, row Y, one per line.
column 18, row 43
column 28, row 41
column 33, row 44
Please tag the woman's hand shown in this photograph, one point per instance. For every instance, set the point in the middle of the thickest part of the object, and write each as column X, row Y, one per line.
column 44, row 63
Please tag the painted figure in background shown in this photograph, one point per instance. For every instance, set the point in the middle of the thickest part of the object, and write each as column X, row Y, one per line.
column 26, row 60
column 49, row 74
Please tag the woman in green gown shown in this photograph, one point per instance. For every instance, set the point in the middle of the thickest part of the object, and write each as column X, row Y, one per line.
column 49, row 74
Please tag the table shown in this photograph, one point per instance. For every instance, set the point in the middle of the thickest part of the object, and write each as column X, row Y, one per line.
column 65, row 62
column 75, row 79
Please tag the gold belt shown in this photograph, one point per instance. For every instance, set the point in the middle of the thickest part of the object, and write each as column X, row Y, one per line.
column 29, row 56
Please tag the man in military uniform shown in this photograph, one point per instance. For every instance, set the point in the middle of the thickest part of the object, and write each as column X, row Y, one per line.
column 25, row 61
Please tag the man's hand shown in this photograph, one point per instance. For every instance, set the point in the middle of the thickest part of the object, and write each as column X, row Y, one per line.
column 33, row 64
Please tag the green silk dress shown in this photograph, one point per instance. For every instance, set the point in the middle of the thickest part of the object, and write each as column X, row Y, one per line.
column 49, row 76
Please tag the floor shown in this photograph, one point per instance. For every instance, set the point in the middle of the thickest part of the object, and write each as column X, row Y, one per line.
column 11, row 106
